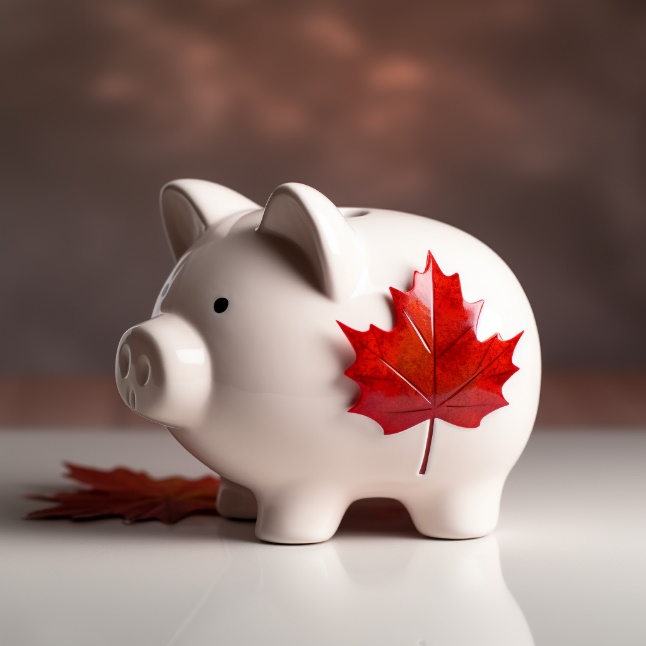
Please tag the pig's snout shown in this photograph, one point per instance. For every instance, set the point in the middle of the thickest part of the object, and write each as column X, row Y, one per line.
column 138, row 353
column 163, row 371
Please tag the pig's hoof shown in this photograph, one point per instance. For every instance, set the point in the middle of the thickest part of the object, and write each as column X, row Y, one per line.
column 293, row 535
column 461, row 515
column 287, row 520
column 235, row 501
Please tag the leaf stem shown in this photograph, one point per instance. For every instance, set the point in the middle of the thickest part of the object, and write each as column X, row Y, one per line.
column 427, row 450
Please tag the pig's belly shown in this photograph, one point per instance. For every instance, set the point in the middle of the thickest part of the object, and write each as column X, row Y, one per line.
column 275, row 442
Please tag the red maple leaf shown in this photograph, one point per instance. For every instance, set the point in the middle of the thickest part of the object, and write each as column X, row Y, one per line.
column 131, row 495
column 430, row 365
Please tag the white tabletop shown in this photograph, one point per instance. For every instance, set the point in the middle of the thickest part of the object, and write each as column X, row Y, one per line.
column 567, row 564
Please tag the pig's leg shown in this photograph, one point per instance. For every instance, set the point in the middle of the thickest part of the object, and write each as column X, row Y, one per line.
column 467, row 512
column 299, row 514
column 235, row 501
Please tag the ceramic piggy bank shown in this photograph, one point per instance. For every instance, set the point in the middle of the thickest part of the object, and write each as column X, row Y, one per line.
column 314, row 355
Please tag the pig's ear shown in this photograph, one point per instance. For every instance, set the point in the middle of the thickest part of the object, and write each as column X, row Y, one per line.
column 307, row 218
column 189, row 206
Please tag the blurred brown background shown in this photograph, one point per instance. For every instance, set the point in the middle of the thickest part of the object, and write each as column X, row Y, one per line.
column 519, row 121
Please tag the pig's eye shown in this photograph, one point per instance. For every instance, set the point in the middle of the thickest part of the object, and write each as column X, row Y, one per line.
column 220, row 305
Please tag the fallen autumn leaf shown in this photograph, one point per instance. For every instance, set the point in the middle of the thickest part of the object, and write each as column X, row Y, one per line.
column 132, row 495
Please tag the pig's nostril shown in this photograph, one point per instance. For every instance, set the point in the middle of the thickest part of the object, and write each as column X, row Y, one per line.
column 124, row 360
column 142, row 370
column 132, row 399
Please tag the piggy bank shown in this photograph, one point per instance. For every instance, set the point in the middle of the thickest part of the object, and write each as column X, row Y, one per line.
column 314, row 355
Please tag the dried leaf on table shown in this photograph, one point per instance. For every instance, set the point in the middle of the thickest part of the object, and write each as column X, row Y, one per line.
column 132, row 495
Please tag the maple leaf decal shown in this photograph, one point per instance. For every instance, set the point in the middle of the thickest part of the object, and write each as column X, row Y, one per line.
column 131, row 495
column 430, row 365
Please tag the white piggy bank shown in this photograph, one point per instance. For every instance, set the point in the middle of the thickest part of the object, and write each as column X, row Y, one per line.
column 246, row 354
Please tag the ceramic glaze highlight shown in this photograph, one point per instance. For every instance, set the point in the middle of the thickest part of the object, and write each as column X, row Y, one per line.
column 256, row 388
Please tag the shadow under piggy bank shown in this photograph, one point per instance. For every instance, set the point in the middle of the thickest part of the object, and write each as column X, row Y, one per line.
column 359, row 589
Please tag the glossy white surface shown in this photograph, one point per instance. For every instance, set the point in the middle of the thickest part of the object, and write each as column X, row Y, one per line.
column 267, row 406
column 566, row 566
